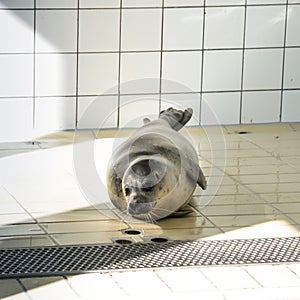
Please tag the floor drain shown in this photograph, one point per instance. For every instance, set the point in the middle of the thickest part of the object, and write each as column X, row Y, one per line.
column 71, row 260
column 159, row 240
column 132, row 231
column 123, row 241
column 243, row 132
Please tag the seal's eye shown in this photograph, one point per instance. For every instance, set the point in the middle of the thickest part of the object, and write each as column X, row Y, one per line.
column 148, row 189
column 127, row 191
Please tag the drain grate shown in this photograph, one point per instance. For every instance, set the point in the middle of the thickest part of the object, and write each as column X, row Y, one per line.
column 67, row 260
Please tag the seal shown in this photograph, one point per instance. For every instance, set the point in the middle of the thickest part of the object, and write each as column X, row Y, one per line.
column 154, row 173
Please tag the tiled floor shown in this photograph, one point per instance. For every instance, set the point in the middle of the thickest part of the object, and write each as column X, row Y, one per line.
column 253, row 191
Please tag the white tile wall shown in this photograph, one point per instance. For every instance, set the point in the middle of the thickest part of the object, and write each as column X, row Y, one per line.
column 230, row 55
column 56, row 30
column 18, row 35
column 261, row 107
column 224, row 27
column 98, row 73
column 141, row 29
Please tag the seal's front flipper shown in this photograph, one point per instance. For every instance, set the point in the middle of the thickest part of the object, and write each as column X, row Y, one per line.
column 176, row 118
column 182, row 211
column 201, row 181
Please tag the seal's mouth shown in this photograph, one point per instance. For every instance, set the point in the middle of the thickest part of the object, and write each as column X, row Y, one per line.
column 136, row 208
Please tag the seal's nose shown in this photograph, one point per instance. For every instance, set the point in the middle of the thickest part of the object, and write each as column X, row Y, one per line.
column 136, row 206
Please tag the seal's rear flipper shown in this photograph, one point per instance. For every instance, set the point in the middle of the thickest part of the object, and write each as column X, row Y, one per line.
column 176, row 118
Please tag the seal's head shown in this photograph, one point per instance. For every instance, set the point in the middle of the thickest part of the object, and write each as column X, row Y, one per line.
column 146, row 182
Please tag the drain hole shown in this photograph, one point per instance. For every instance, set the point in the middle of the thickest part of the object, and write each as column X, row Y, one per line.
column 243, row 132
column 123, row 241
column 159, row 240
column 132, row 231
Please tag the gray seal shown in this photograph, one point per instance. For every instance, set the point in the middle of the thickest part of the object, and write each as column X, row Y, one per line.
column 154, row 173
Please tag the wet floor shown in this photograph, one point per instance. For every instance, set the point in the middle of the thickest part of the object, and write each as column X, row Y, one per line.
column 253, row 191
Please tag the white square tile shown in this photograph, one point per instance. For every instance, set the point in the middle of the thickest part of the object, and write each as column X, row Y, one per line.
column 16, row 75
column 140, row 283
column 183, row 101
column 224, row 27
column 222, row 70
column 99, row 4
column 97, row 112
column 291, row 106
column 292, row 32
column 175, row 3
column 50, row 37
column 142, row 3
column 249, row 2
column 226, row 278
column 16, row 4
column 141, row 29
column 263, row 69
column 16, row 118
column 181, row 71
column 55, row 74
column 98, row 73
column 294, row 1
column 265, row 26
column 183, row 28
column 140, row 72
column 16, row 31
column 55, row 113
column 99, row 30
column 292, row 68
column 261, row 107
column 56, row 3
column 224, row 2
column 220, row 108
column 133, row 109
column 274, row 276
column 185, row 280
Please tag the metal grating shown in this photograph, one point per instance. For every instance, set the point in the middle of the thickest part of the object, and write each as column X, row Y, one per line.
column 67, row 260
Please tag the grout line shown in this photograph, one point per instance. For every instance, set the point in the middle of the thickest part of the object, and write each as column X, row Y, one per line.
column 77, row 67
column 243, row 62
column 161, row 56
column 202, row 63
column 283, row 60
column 34, row 68
column 120, row 61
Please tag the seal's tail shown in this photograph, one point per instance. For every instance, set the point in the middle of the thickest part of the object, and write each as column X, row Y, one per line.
column 176, row 118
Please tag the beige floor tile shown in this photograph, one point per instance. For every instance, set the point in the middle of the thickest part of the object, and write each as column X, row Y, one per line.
column 295, row 217
column 257, row 128
column 11, row 289
column 295, row 268
column 278, row 187
column 87, row 238
column 244, row 220
column 21, row 229
column 48, row 288
column 22, row 218
column 271, row 229
column 141, row 283
column 25, row 241
column 281, row 197
column 75, row 215
column 268, row 178
column 89, row 226
column 185, row 279
column 235, row 210
column 273, row 276
column 183, row 234
column 291, row 208
column 89, row 285
column 225, row 278
column 295, row 126
column 264, row 169
column 226, row 200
